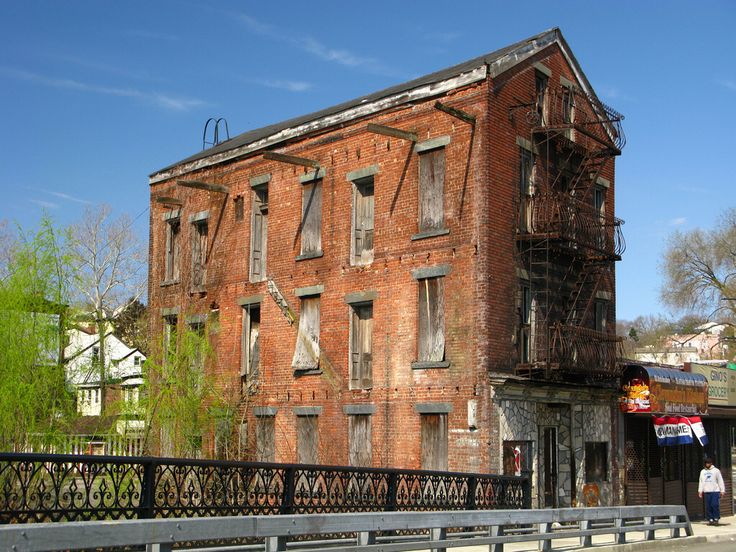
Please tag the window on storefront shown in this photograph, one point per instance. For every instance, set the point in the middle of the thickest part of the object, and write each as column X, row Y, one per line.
column 596, row 462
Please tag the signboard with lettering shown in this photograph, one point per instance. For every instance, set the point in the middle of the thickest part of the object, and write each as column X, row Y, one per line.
column 721, row 383
column 663, row 391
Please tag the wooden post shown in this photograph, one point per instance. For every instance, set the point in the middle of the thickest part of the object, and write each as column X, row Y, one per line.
column 393, row 132
column 438, row 534
column 291, row 159
column 496, row 531
column 202, row 186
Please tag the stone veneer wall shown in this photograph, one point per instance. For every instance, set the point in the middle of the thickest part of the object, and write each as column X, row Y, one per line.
column 592, row 423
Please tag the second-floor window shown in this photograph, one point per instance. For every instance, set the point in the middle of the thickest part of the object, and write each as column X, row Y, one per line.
column 431, row 337
column 306, row 352
column 199, row 253
column 259, row 234
column 363, row 217
column 311, row 226
column 250, row 340
column 361, row 354
column 600, row 315
column 173, row 232
column 526, row 189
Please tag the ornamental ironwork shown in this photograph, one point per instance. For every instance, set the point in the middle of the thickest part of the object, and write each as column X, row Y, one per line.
column 57, row 487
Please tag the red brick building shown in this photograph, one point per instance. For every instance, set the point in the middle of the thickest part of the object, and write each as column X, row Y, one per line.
column 421, row 277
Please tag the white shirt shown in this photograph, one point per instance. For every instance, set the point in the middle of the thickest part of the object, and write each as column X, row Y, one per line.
column 711, row 481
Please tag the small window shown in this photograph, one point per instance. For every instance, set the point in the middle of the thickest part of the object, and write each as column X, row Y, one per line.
column 361, row 336
column 95, row 354
column 363, row 220
column 136, row 360
column 525, row 323
column 601, row 315
column 359, row 437
column 173, row 231
column 306, row 352
column 199, row 253
column 431, row 309
column 259, row 234
column 169, row 342
column 307, row 440
column 311, row 227
column 250, row 340
column 432, row 190
column 434, row 441
column 517, row 457
column 526, row 189
column 266, row 438
column 541, row 82
column 596, row 462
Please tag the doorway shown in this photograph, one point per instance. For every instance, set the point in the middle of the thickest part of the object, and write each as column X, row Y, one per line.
column 550, row 467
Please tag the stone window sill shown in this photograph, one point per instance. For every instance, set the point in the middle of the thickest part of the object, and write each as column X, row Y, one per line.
column 430, row 234
column 312, row 255
column 425, row 365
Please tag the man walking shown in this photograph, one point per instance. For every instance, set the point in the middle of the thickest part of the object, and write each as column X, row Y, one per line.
column 711, row 484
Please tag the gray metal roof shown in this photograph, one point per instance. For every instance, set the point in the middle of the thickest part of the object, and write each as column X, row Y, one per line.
column 444, row 74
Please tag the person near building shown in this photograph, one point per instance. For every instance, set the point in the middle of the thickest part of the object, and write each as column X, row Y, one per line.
column 711, row 485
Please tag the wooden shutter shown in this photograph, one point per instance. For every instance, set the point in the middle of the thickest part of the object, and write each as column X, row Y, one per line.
column 175, row 249
column 258, row 237
column 169, row 251
column 361, row 365
column 431, row 189
column 265, row 439
column 363, row 220
column 306, row 352
column 431, row 320
column 434, row 441
column 199, row 253
column 307, row 440
column 359, row 430
column 311, row 231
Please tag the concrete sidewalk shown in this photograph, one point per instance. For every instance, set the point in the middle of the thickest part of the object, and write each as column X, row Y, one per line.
column 702, row 533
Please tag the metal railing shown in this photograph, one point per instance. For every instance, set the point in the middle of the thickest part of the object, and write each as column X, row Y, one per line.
column 55, row 487
column 357, row 532
column 577, row 349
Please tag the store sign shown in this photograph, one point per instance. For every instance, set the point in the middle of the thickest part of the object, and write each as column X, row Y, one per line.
column 721, row 383
column 663, row 391
column 679, row 430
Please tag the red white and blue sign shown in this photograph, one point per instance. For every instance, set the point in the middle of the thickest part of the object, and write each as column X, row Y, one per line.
column 678, row 430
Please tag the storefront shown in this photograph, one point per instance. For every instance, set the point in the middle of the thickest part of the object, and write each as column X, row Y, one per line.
column 663, row 466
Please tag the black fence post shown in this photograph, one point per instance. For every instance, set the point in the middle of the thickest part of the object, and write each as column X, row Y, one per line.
column 148, row 487
column 472, row 488
column 287, row 501
column 391, row 498
column 526, row 489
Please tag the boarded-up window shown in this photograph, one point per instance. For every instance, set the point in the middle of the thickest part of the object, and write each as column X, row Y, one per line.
column 195, row 350
column 306, row 352
column 525, row 320
column 359, row 437
column 596, row 462
column 259, row 234
column 250, row 340
column 363, row 217
column 199, row 253
column 266, row 439
column 307, row 440
column 541, row 81
column 361, row 351
column 239, row 208
column 568, row 105
column 431, row 320
column 526, row 189
column 169, row 341
column 600, row 315
column 432, row 190
column 173, row 231
column 311, row 230
column 434, row 441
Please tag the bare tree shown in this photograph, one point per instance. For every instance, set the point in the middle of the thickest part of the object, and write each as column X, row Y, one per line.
column 700, row 271
column 109, row 271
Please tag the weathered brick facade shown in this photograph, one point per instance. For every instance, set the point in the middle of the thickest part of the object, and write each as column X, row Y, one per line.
column 475, row 253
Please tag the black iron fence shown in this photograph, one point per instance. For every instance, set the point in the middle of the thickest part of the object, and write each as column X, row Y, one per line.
column 58, row 487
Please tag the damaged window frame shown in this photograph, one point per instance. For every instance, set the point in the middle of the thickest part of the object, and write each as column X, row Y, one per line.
column 172, row 257
column 306, row 358
column 310, row 227
column 199, row 224
column 431, row 331
column 363, row 220
column 258, row 228
column 431, row 220
column 250, row 340
column 361, row 345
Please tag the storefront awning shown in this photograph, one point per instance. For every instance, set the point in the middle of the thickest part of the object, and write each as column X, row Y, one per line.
column 657, row 390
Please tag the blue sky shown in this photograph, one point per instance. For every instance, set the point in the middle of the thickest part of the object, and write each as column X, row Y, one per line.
column 96, row 95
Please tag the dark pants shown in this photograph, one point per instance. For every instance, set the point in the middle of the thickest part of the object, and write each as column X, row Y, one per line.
column 712, row 505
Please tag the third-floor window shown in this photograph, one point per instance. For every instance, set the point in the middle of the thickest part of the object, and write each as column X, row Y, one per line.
column 259, row 234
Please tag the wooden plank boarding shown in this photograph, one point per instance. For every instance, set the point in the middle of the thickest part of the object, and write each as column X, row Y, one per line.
column 393, row 132
column 199, row 185
column 166, row 200
column 457, row 113
column 291, row 159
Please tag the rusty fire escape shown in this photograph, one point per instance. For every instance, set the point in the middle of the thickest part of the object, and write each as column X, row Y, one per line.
column 567, row 241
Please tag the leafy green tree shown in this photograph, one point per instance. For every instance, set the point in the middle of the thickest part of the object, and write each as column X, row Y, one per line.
column 35, row 404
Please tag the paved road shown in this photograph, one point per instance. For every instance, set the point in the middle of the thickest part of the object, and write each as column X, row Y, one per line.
column 700, row 547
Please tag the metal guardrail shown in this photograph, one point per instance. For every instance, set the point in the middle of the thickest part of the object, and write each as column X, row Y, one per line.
column 371, row 531
column 56, row 487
